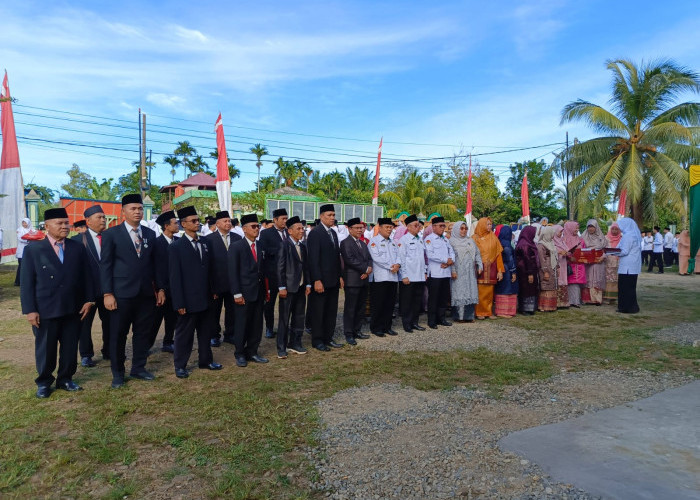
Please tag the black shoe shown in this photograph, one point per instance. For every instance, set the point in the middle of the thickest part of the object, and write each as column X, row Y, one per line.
column 322, row 347
column 69, row 386
column 351, row 340
column 444, row 322
column 215, row 342
column 43, row 391
column 258, row 359
column 269, row 334
column 362, row 336
column 241, row 361
column 182, row 373
column 335, row 344
column 418, row 327
column 297, row 349
column 87, row 362
column 378, row 334
column 391, row 332
column 407, row 330
column 167, row 348
column 118, row 382
column 307, row 330
column 434, row 327
column 142, row 375
column 212, row 366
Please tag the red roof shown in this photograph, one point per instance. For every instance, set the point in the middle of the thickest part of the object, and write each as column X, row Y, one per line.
column 200, row 179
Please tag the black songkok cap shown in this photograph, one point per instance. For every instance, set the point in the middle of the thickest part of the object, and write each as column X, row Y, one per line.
column 326, row 208
column 165, row 217
column 437, row 220
column 79, row 223
column 186, row 212
column 303, row 221
column 95, row 209
column 385, row 220
column 132, row 198
column 353, row 222
column 293, row 220
column 248, row 218
column 222, row 215
column 410, row 218
column 279, row 212
column 55, row 213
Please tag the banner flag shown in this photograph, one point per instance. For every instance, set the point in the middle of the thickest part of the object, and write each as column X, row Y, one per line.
column 694, row 216
column 375, row 198
column 525, row 199
column 223, row 180
column 621, row 204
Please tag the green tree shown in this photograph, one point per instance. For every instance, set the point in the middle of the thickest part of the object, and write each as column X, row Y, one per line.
column 268, row 183
column 541, row 190
column 79, row 183
column 644, row 139
column 233, row 171
column 174, row 162
column 185, row 149
column 288, row 171
column 47, row 197
column 411, row 191
column 259, row 151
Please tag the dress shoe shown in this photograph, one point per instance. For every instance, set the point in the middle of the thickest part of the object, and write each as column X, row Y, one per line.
column 362, row 336
column 297, row 349
column 43, row 391
column 69, row 386
column 391, row 332
column 212, row 366
column 444, row 322
column 281, row 354
column 215, row 342
column 258, row 359
column 351, row 340
column 378, row 334
column 307, row 330
column 335, row 344
column 87, row 362
column 434, row 327
column 241, row 361
column 167, row 348
column 118, row 383
column 142, row 375
column 322, row 347
column 418, row 327
column 407, row 330
column 182, row 373
column 269, row 334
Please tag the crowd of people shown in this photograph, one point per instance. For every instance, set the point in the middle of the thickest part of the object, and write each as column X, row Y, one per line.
column 291, row 273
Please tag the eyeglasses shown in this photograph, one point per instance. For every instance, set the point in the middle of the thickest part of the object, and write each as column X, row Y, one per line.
column 254, row 226
column 192, row 221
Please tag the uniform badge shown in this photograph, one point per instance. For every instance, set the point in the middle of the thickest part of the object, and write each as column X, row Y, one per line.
column 427, row 242
column 373, row 245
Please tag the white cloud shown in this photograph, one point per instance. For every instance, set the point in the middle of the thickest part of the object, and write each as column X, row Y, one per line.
column 165, row 100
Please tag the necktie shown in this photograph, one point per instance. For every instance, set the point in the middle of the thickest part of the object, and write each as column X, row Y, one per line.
column 59, row 244
column 99, row 238
column 137, row 241
column 359, row 244
column 255, row 254
column 225, row 237
column 301, row 279
column 197, row 248
column 282, row 235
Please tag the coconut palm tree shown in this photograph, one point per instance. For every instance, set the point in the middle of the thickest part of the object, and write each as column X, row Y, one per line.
column 259, row 151
column 287, row 171
column 305, row 170
column 185, row 149
column 645, row 138
column 233, row 171
column 359, row 179
column 173, row 161
column 414, row 194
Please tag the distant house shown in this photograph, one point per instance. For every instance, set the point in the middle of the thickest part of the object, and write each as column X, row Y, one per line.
column 200, row 186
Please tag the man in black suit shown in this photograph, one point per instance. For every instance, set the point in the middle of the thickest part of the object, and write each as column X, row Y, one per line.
column 189, row 262
column 248, row 290
column 294, row 286
column 168, row 223
column 357, row 266
column 219, row 242
column 91, row 239
column 325, row 275
column 131, row 288
column 270, row 242
column 56, row 294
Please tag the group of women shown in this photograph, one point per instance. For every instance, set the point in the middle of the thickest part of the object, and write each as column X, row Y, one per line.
column 499, row 273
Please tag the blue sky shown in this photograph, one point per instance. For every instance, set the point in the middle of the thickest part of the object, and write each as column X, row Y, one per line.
column 452, row 76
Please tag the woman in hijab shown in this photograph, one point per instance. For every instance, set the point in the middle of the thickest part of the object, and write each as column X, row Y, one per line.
column 506, row 290
column 562, row 275
column 611, row 262
column 549, row 270
column 577, row 278
column 24, row 228
column 465, row 291
column 683, row 252
column 630, row 266
column 595, row 273
column 490, row 249
column 528, row 265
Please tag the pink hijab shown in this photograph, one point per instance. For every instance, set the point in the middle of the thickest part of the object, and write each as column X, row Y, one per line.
column 614, row 240
column 559, row 240
column 570, row 236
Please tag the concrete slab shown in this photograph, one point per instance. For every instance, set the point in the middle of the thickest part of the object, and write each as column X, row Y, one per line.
column 648, row 449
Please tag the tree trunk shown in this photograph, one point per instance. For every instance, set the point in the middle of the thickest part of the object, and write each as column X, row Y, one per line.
column 637, row 213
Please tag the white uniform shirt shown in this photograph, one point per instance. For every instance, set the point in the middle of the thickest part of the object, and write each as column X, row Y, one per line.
column 648, row 243
column 658, row 243
column 412, row 258
column 668, row 240
column 385, row 254
column 438, row 250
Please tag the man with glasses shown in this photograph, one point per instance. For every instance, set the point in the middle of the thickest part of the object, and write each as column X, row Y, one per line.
column 440, row 260
column 357, row 266
column 189, row 263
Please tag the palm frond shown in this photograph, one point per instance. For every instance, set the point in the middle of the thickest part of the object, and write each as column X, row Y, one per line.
column 667, row 132
column 632, row 179
column 666, row 181
column 595, row 116
column 687, row 113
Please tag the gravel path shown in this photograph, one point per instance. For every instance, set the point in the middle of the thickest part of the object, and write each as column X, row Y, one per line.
column 405, row 443
column 682, row 333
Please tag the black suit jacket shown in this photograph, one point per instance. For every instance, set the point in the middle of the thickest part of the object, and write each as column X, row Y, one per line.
column 244, row 273
column 219, row 256
column 355, row 261
column 291, row 270
column 122, row 272
column 92, row 261
column 324, row 257
column 190, row 283
column 50, row 288
column 270, row 245
column 161, row 256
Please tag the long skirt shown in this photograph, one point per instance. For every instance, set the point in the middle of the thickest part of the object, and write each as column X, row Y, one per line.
column 627, row 293
column 547, row 300
column 463, row 313
column 506, row 305
column 528, row 304
column 683, row 264
column 485, row 305
column 592, row 295
column 574, row 290
column 610, row 293
column 563, row 296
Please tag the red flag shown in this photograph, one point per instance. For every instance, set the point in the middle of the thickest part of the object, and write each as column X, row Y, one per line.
column 12, row 208
column 375, row 198
column 622, row 203
column 468, row 213
column 525, row 198
column 223, row 180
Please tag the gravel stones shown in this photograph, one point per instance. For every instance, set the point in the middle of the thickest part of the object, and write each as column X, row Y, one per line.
column 682, row 333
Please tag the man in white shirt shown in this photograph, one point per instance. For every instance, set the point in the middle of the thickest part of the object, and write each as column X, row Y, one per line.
column 657, row 252
column 668, row 247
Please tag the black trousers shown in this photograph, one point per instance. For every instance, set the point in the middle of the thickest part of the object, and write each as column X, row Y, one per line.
column 136, row 314
column 627, row 293
column 438, row 295
column 87, row 349
column 382, row 297
column 291, row 320
column 323, row 308
column 270, row 306
column 19, row 267
column 668, row 257
column 410, row 302
column 354, row 309
column 184, row 338
column 169, row 315
column 646, row 257
column 223, row 300
column 674, row 258
column 656, row 260
column 52, row 332
column 247, row 331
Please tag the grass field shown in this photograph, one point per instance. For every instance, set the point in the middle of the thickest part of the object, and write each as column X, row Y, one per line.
column 238, row 433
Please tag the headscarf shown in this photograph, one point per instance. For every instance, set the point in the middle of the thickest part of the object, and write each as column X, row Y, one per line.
column 21, row 230
column 595, row 240
column 400, row 231
column 570, row 236
column 538, row 228
column 505, row 235
column 684, row 238
column 612, row 239
column 630, row 230
column 559, row 240
column 462, row 245
column 547, row 241
column 488, row 244
column 526, row 242
column 497, row 232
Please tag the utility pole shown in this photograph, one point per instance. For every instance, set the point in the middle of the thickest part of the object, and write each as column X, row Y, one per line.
column 143, row 176
column 150, row 166
column 566, row 167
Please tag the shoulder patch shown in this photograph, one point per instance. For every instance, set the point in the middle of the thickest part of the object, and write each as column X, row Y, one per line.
column 373, row 244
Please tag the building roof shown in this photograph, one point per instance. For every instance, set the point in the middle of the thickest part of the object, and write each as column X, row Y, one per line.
column 291, row 192
column 200, row 179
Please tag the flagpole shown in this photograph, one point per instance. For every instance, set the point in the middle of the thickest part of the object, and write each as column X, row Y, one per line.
column 468, row 215
column 375, row 198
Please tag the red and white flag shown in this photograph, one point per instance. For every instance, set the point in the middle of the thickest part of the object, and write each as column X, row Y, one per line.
column 468, row 213
column 525, row 199
column 12, row 207
column 622, row 204
column 223, row 180
column 375, row 198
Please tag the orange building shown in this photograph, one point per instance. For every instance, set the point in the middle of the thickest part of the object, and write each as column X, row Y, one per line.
column 76, row 206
